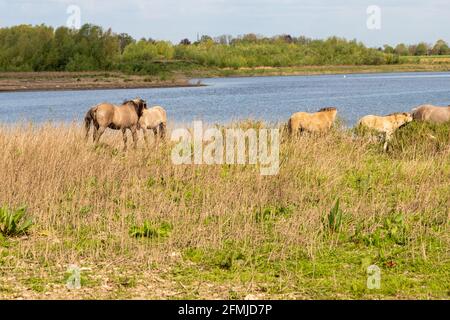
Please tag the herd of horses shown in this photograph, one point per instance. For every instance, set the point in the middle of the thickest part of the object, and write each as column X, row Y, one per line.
column 386, row 125
column 134, row 115
column 323, row 120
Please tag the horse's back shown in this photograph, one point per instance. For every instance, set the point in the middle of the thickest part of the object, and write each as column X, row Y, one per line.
column 432, row 113
column 162, row 112
column 374, row 122
column 105, row 107
column 104, row 113
column 153, row 117
column 297, row 118
column 317, row 121
column 387, row 123
column 115, row 117
column 367, row 119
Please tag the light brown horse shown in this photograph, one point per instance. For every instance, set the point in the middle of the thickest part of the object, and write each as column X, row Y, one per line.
column 385, row 124
column 430, row 113
column 312, row 122
column 154, row 119
column 106, row 115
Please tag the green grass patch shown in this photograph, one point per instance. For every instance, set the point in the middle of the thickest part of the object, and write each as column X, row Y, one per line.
column 151, row 230
column 418, row 139
column 14, row 222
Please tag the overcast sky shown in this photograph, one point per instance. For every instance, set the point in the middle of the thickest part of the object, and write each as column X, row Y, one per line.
column 408, row 21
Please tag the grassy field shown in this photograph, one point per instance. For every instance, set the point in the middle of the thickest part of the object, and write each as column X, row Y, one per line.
column 141, row 227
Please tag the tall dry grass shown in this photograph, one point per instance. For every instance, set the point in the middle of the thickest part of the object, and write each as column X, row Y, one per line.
column 85, row 199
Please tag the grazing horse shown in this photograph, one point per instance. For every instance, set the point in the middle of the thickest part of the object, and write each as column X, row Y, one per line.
column 385, row 124
column 430, row 113
column 154, row 119
column 105, row 115
column 312, row 122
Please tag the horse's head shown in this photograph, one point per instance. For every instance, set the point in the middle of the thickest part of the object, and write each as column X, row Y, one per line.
column 330, row 111
column 407, row 117
column 403, row 118
column 400, row 118
column 139, row 105
column 141, row 102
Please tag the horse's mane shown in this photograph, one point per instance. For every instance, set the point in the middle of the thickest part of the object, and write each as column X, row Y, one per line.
column 129, row 101
column 327, row 109
column 138, row 106
column 397, row 114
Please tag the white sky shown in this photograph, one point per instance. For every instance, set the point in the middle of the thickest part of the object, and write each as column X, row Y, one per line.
column 408, row 21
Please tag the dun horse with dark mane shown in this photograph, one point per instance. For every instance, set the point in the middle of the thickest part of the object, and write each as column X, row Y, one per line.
column 312, row 122
column 106, row 115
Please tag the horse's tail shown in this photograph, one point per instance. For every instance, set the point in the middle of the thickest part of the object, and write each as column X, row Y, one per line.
column 88, row 119
column 289, row 126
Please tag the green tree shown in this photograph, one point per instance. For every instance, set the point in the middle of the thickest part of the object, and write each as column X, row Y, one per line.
column 440, row 48
column 401, row 49
column 125, row 40
column 388, row 49
column 422, row 49
column 36, row 48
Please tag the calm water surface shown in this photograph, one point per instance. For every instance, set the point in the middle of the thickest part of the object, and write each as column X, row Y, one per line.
column 264, row 98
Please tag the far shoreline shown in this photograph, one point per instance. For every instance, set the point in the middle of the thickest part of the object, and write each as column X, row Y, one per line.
column 106, row 80
column 56, row 89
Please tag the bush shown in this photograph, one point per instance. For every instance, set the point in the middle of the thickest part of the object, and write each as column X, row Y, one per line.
column 418, row 139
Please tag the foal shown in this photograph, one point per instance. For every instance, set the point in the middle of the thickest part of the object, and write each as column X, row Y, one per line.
column 154, row 119
column 385, row 124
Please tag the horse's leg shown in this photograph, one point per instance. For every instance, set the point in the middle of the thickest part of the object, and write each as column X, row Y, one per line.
column 124, row 134
column 100, row 131
column 94, row 135
column 387, row 138
column 134, row 134
column 144, row 130
column 162, row 130
column 87, row 127
column 293, row 130
column 155, row 134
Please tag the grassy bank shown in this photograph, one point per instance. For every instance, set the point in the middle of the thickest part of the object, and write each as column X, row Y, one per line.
column 141, row 227
column 178, row 75
column 314, row 70
column 43, row 81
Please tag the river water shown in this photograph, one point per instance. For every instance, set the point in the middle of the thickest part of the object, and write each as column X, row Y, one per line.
column 264, row 98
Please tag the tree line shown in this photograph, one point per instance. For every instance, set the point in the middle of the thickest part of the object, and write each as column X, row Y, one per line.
column 421, row 49
column 91, row 48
